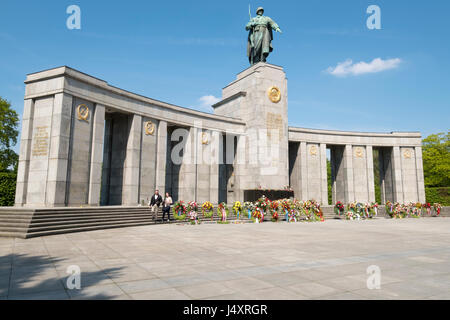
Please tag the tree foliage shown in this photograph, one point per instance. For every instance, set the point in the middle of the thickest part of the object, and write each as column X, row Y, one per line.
column 9, row 121
column 436, row 160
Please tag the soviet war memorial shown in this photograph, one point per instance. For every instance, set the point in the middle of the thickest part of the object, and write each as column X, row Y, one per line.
column 299, row 182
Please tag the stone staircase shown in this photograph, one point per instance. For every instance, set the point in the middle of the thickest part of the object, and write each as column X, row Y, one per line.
column 28, row 223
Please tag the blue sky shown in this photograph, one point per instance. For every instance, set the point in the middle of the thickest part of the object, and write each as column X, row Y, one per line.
column 181, row 51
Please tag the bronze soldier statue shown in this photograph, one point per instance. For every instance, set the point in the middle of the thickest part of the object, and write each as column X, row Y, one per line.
column 260, row 37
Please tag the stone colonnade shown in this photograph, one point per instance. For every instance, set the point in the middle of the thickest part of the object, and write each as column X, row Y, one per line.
column 352, row 165
column 85, row 142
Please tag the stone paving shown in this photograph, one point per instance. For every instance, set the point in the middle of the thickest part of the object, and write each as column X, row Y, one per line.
column 236, row 261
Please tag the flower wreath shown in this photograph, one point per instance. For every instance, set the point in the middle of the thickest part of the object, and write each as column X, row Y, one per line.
column 237, row 209
column 179, row 210
column 223, row 206
column 207, row 209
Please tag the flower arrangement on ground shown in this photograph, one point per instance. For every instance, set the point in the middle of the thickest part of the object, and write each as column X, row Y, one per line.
column 179, row 210
column 374, row 209
column 222, row 212
column 437, row 208
column 314, row 211
column 396, row 210
column 352, row 211
column 207, row 209
column 415, row 210
column 274, row 209
column 263, row 203
column 237, row 209
column 192, row 209
column 285, row 207
column 427, row 208
column 258, row 215
column 249, row 207
column 339, row 208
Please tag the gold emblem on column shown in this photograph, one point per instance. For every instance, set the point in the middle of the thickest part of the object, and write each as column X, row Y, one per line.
column 149, row 128
column 359, row 152
column 205, row 138
column 313, row 150
column 407, row 154
column 83, row 112
column 274, row 94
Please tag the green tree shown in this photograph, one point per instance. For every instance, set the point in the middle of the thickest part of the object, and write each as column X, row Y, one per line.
column 9, row 121
column 436, row 160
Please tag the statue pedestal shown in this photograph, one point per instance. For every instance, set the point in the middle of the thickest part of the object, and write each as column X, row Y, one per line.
column 259, row 98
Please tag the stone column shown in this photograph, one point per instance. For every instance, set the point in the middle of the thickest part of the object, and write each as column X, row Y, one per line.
column 59, row 150
column 397, row 175
column 294, row 162
column 323, row 174
column 370, row 174
column 203, row 165
column 303, row 171
column 348, row 174
column 214, row 168
column 95, row 174
column 420, row 177
column 106, row 167
column 131, row 170
column 187, row 176
column 161, row 157
column 25, row 152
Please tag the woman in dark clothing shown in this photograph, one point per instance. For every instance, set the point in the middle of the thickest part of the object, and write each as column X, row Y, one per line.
column 166, row 206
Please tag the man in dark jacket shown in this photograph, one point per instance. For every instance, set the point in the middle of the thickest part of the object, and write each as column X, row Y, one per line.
column 155, row 202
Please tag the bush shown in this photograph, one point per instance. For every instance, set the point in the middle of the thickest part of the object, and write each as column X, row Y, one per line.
column 438, row 195
column 7, row 188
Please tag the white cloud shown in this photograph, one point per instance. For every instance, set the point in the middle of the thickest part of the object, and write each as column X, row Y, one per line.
column 207, row 101
column 376, row 65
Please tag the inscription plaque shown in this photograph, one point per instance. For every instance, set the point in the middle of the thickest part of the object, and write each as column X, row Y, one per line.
column 40, row 142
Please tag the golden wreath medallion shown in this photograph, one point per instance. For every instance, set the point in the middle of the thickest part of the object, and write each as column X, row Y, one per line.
column 149, row 128
column 313, row 150
column 205, row 138
column 274, row 94
column 359, row 152
column 407, row 154
column 83, row 112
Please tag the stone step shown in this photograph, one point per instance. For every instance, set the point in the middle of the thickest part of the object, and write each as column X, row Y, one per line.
column 92, row 216
column 38, row 223
column 21, row 224
column 86, row 223
column 4, row 234
column 22, row 229
column 32, row 234
column 89, row 210
column 11, row 220
column 12, row 215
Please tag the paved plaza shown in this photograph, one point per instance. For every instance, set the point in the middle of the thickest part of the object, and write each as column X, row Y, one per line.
column 236, row 261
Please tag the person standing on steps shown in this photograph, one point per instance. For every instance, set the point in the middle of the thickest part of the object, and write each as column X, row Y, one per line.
column 155, row 202
column 166, row 206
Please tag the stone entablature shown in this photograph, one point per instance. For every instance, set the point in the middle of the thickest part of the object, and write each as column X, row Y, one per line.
column 411, row 139
column 75, row 83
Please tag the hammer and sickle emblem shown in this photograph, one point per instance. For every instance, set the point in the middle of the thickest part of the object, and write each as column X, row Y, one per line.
column 83, row 112
column 205, row 138
column 149, row 128
column 313, row 150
